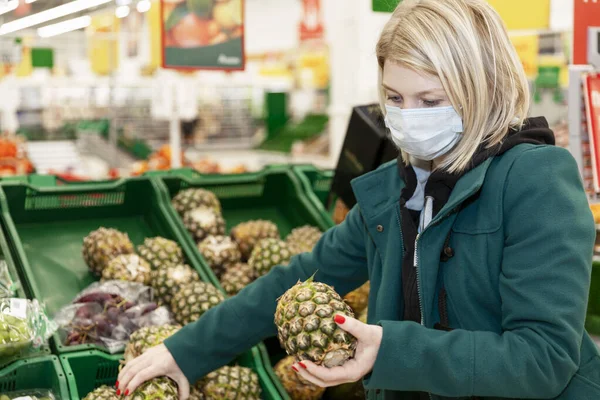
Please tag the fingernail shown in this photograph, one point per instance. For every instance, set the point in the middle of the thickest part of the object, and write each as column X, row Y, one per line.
column 302, row 365
column 127, row 392
column 339, row 319
column 294, row 368
column 118, row 392
column 117, row 384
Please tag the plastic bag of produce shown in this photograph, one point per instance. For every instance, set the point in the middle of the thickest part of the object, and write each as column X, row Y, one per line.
column 24, row 327
column 8, row 288
column 107, row 313
column 29, row 395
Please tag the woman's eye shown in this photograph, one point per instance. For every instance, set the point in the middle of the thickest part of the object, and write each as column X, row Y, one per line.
column 431, row 103
column 395, row 99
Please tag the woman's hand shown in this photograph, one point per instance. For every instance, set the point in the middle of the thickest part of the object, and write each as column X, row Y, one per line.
column 154, row 363
column 369, row 340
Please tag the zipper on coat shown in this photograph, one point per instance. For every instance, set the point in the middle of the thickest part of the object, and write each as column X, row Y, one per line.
column 425, row 220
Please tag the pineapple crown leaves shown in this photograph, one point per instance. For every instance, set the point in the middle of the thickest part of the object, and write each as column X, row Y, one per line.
column 309, row 280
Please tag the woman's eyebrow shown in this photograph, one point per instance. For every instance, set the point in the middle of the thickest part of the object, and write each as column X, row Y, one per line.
column 424, row 92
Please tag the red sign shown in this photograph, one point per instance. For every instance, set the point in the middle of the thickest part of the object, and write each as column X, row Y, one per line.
column 311, row 26
column 587, row 14
column 23, row 8
column 592, row 106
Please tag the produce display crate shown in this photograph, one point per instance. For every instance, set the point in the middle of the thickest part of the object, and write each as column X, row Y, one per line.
column 274, row 194
column 88, row 370
column 35, row 373
column 317, row 184
column 6, row 256
column 46, row 227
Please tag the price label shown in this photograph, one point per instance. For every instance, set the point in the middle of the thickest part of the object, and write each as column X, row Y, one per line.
column 18, row 308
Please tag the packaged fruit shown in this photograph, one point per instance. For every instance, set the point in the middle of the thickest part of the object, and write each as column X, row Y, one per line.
column 29, row 395
column 107, row 313
column 24, row 327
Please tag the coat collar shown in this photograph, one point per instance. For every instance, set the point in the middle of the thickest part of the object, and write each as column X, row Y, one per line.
column 377, row 190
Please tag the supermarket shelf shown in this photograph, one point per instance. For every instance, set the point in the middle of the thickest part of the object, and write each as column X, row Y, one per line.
column 255, row 160
column 57, row 155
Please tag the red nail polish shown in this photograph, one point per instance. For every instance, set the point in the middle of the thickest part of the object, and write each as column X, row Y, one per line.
column 117, row 384
column 118, row 392
column 127, row 392
column 339, row 319
column 302, row 365
column 294, row 368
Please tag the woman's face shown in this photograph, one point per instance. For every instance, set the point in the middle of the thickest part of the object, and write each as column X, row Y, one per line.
column 405, row 88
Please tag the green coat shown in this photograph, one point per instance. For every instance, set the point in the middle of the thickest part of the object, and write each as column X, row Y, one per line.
column 517, row 286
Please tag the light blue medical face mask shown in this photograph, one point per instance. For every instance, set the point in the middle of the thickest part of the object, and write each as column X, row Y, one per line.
column 425, row 133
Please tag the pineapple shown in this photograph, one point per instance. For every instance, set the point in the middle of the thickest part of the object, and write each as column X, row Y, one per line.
column 236, row 278
column 103, row 393
column 305, row 325
column 297, row 387
column 231, row 383
column 128, row 267
column 196, row 394
column 303, row 239
column 102, row 245
column 220, row 252
column 146, row 338
column 190, row 199
column 247, row 234
column 168, row 281
column 156, row 389
column 193, row 300
column 364, row 316
column 359, row 298
column 202, row 222
column 268, row 253
column 160, row 252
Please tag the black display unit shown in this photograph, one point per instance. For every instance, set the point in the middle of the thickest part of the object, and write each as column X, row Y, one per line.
column 365, row 148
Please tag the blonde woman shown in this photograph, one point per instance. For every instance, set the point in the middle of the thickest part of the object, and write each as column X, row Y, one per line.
column 477, row 241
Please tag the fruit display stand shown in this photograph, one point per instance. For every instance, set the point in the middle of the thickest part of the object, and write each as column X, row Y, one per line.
column 275, row 194
column 19, row 292
column 36, row 373
column 88, row 370
column 317, row 185
column 46, row 227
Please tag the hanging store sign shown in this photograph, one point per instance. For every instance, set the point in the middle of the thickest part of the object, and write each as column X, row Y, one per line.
column 311, row 25
column 587, row 14
column 203, row 34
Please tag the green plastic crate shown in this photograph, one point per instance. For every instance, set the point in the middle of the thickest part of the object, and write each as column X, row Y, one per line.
column 46, row 227
column 6, row 255
column 274, row 194
column 88, row 370
column 36, row 373
column 317, row 184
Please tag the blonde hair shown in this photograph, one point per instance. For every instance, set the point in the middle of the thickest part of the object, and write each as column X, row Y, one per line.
column 466, row 45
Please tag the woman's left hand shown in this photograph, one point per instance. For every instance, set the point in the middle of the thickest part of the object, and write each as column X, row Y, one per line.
column 369, row 340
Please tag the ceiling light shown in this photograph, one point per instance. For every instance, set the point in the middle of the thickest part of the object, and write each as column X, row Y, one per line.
column 144, row 5
column 65, row 26
column 122, row 11
column 48, row 15
column 9, row 6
